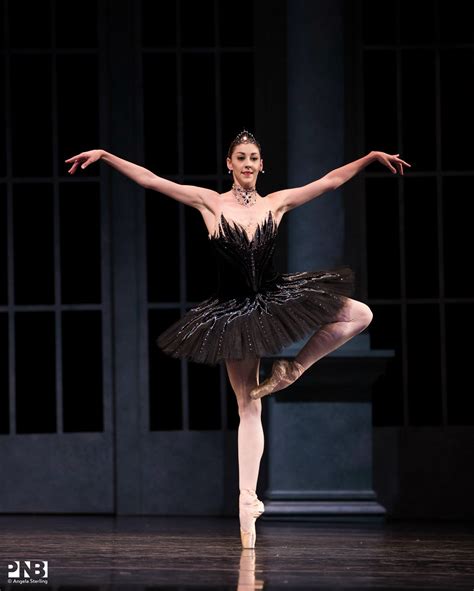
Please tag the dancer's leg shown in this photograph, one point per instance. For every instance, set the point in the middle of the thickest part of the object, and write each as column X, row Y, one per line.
column 352, row 319
column 243, row 376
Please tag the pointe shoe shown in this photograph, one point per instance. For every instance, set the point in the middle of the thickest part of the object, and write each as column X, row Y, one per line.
column 284, row 373
column 250, row 508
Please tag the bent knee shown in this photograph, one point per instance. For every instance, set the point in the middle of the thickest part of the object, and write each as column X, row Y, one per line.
column 364, row 315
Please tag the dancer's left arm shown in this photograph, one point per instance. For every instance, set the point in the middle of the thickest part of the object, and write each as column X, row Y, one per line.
column 291, row 198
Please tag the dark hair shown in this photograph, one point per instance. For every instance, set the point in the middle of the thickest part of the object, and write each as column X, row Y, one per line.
column 244, row 137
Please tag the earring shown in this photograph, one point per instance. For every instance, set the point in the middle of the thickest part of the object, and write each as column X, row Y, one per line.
column 263, row 172
column 228, row 170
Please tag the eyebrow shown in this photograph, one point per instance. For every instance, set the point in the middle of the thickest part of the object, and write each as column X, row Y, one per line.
column 244, row 153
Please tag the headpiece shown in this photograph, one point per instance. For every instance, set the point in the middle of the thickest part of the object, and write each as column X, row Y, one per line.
column 244, row 137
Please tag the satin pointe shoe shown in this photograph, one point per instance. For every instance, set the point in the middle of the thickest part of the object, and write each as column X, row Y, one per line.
column 250, row 508
column 284, row 373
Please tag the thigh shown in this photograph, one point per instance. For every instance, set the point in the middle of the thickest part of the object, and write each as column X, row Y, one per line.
column 243, row 375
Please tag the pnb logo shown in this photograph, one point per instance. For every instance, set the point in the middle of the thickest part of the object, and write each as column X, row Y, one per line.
column 28, row 569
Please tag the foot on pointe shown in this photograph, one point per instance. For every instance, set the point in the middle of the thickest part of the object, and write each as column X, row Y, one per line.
column 284, row 373
column 250, row 508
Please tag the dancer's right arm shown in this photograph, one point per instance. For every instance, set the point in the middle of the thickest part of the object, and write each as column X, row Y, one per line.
column 188, row 194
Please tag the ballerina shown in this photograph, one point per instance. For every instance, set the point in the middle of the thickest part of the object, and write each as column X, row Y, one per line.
column 256, row 310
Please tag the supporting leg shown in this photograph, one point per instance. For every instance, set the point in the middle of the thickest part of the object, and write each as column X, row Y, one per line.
column 243, row 376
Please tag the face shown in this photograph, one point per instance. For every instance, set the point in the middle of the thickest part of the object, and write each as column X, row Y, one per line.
column 245, row 164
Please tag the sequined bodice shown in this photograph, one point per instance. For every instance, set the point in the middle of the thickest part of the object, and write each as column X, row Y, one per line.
column 245, row 265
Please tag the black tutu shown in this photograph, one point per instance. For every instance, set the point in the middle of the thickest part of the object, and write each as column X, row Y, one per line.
column 255, row 311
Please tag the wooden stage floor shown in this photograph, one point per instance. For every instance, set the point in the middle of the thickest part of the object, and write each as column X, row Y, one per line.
column 152, row 553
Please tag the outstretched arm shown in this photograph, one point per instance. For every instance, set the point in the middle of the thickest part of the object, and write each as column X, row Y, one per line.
column 291, row 198
column 190, row 195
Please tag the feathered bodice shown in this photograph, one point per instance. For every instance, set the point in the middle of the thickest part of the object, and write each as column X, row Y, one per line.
column 245, row 265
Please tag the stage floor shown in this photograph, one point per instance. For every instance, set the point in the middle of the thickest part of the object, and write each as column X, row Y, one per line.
column 101, row 552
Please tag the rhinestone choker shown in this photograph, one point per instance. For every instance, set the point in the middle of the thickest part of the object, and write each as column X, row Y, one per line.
column 244, row 196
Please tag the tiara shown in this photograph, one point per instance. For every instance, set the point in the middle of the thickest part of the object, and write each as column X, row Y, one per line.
column 245, row 137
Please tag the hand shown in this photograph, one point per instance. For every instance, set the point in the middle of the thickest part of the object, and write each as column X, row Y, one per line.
column 389, row 160
column 86, row 158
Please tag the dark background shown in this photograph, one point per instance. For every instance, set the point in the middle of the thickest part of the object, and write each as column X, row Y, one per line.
column 92, row 268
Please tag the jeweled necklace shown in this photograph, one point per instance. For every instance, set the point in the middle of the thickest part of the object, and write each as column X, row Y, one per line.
column 244, row 196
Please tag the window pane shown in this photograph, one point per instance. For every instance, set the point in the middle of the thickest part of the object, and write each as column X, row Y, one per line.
column 31, row 121
column 420, row 26
column 457, row 114
column 78, row 111
column 455, row 19
column 35, row 359
column 201, row 267
column 385, row 333
column 236, row 114
column 165, row 376
column 160, row 114
column 421, row 237
column 197, row 24
column 204, row 396
column 380, row 101
column 199, row 114
column 2, row 29
column 459, row 325
column 3, row 247
column 457, row 226
column 29, row 24
column 162, row 247
column 4, row 375
column 383, row 245
column 82, row 390
column 235, row 26
column 80, row 243
column 158, row 23
column 3, row 121
column 78, row 29
column 418, row 109
column 33, row 248
column 378, row 22
column 424, row 364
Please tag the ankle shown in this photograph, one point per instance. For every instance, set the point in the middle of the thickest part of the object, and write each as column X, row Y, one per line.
column 248, row 492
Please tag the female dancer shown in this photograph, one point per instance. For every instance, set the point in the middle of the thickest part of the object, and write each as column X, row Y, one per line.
column 256, row 310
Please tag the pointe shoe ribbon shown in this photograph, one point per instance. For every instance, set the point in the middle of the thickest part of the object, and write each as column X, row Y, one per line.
column 250, row 508
column 284, row 373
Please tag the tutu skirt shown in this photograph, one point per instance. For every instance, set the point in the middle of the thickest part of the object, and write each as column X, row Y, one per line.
column 261, row 323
